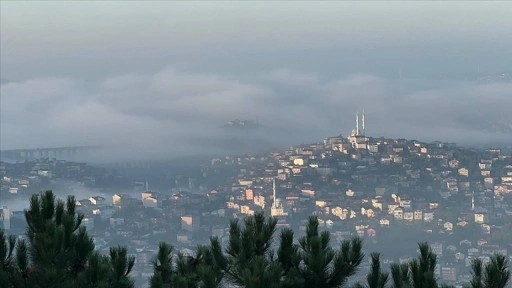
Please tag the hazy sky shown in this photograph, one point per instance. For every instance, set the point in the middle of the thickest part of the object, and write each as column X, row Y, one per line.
column 160, row 77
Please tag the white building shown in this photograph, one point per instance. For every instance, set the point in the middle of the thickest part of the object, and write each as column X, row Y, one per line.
column 148, row 200
column 97, row 200
column 480, row 218
column 116, row 200
column 259, row 201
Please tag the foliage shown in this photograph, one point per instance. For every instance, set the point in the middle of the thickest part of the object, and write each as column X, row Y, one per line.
column 249, row 259
column 375, row 278
column 58, row 251
column 417, row 273
column 422, row 268
column 172, row 269
column 248, row 254
column 7, row 258
column 400, row 275
column 59, row 246
column 321, row 265
column 494, row 274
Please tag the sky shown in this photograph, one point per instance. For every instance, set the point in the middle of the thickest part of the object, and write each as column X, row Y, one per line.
column 159, row 79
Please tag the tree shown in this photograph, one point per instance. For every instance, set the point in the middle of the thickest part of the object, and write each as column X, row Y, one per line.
column 417, row 273
column 494, row 274
column 186, row 273
column 289, row 258
column 179, row 270
column 121, row 266
column 59, row 246
column 249, row 260
column 375, row 278
column 108, row 271
column 211, row 268
column 162, row 267
column 7, row 265
column 422, row 268
column 400, row 275
column 97, row 272
column 322, row 266
column 59, row 252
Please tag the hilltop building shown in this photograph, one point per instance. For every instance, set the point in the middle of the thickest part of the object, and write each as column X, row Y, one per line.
column 357, row 138
column 277, row 208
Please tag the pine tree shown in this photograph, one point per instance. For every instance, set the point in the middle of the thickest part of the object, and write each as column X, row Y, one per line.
column 417, row 273
column 210, row 268
column 59, row 246
column 59, row 252
column 186, row 273
column 494, row 274
column 375, row 278
column 422, row 268
column 179, row 270
column 322, row 266
column 8, row 262
column 249, row 260
column 121, row 266
column 97, row 273
column 400, row 275
column 163, row 267
column 289, row 258
column 477, row 271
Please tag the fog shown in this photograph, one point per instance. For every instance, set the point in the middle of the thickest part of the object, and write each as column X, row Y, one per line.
column 160, row 82
column 170, row 112
column 61, row 188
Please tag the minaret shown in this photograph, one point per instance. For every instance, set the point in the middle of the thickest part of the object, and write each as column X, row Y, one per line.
column 357, row 123
column 363, row 123
column 277, row 208
column 473, row 202
column 274, row 204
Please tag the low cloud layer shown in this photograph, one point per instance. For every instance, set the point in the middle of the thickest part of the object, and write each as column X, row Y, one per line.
column 61, row 188
column 173, row 112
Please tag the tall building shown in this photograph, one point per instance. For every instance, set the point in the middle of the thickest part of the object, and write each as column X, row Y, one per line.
column 5, row 218
column 277, row 208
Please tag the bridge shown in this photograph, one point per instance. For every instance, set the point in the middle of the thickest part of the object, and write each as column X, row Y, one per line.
column 56, row 152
